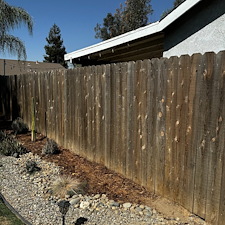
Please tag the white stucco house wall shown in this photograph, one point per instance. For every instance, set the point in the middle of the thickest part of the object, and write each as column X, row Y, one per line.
column 202, row 30
column 196, row 26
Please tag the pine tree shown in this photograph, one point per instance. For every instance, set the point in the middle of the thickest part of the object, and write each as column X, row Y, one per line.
column 136, row 13
column 55, row 50
column 126, row 18
column 176, row 3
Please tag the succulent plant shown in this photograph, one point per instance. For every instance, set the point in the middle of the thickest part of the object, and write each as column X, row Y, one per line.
column 10, row 147
column 19, row 127
column 31, row 166
column 50, row 147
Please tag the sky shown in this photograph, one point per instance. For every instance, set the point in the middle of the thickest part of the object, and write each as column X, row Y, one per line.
column 76, row 20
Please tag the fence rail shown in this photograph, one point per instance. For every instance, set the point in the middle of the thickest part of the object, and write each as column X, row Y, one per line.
column 159, row 122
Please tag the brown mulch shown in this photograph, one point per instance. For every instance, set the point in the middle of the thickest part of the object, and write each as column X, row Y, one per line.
column 100, row 179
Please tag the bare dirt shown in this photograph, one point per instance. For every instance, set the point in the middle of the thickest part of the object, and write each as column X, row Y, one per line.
column 101, row 180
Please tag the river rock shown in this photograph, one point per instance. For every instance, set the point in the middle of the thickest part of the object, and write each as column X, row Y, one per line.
column 74, row 201
column 127, row 205
column 84, row 205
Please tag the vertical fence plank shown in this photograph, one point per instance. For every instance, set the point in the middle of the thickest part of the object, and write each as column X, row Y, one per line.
column 15, row 108
column 123, row 92
column 89, row 112
column 65, row 110
column 107, row 111
column 118, row 119
column 150, row 125
column 77, row 116
column 85, row 111
column 48, row 115
column 180, row 127
column 26, row 97
column 113, row 118
column 202, row 117
column 93, row 113
column 101, row 112
column 44, row 98
column 53, row 105
column 62, row 116
column 221, row 212
column 134, row 116
column 137, row 122
column 160, row 125
column 143, row 122
column 24, row 88
column 75, row 109
column 187, row 194
column 130, row 129
column 28, row 100
column 36, row 101
column 98, row 115
column 57, row 101
column 178, row 135
column 168, row 152
column 39, row 106
column 216, row 145
column 174, row 166
column 186, row 112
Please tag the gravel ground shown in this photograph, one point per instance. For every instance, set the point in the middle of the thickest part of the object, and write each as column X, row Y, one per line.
column 29, row 195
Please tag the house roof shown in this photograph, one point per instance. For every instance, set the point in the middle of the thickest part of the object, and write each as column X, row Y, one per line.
column 17, row 67
column 124, row 47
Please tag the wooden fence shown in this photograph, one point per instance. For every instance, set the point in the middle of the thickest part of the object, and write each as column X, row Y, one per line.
column 159, row 122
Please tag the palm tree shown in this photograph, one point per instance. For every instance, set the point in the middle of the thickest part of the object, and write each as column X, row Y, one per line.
column 12, row 17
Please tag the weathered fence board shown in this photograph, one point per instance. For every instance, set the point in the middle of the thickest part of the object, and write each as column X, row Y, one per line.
column 159, row 122
column 203, row 99
column 150, row 125
column 217, row 136
column 130, row 118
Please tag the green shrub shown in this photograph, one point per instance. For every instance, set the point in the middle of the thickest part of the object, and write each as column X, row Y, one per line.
column 50, row 147
column 19, row 127
column 10, row 147
column 31, row 166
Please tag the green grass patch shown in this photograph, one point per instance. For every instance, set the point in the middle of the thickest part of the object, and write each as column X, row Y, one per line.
column 7, row 217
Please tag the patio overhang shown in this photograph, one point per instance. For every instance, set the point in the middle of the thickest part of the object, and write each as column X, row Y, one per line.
column 147, row 47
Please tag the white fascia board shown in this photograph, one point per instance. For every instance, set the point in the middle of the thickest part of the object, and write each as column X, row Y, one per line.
column 118, row 40
column 135, row 34
column 176, row 13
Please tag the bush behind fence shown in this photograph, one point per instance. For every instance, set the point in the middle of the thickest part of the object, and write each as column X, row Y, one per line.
column 159, row 122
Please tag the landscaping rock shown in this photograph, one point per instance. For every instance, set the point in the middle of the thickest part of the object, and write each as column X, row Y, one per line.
column 84, row 205
column 127, row 205
column 31, row 196
column 114, row 204
column 75, row 201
